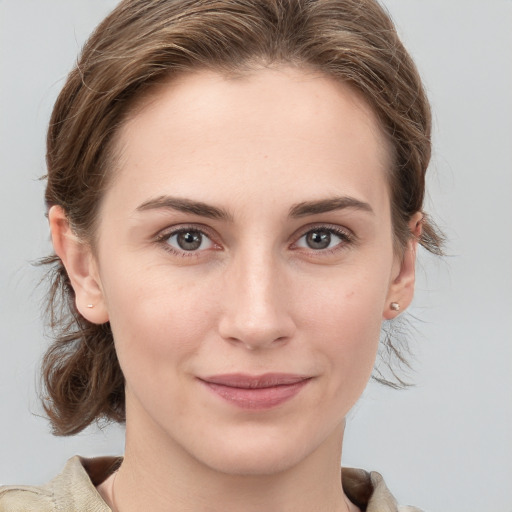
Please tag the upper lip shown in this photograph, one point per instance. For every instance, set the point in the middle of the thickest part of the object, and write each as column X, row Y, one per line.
column 267, row 380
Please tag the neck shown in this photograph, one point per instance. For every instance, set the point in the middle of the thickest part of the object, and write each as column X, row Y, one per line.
column 159, row 475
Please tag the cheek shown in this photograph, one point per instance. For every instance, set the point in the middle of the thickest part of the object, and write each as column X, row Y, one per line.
column 157, row 321
column 349, row 299
column 345, row 320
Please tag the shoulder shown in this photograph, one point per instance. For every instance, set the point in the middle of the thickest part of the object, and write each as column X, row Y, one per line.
column 382, row 497
column 368, row 491
column 73, row 489
column 18, row 498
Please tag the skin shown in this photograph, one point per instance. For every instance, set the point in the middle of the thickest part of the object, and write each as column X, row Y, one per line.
column 255, row 297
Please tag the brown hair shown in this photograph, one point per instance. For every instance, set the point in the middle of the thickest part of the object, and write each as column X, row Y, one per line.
column 143, row 42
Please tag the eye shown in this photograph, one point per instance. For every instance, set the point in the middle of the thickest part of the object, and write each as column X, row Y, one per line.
column 188, row 240
column 323, row 238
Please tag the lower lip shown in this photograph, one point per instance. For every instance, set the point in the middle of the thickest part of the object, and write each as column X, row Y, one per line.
column 259, row 398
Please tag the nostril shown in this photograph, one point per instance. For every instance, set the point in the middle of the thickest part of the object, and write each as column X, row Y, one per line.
column 254, row 313
column 264, row 340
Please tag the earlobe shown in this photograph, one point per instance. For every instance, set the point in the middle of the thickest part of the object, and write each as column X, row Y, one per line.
column 401, row 290
column 80, row 265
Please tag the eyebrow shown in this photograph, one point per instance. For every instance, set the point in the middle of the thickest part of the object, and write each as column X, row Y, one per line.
column 328, row 205
column 298, row 210
column 186, row 206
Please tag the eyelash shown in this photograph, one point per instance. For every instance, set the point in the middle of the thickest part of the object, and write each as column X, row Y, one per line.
column 346, row 237
column 163, row 239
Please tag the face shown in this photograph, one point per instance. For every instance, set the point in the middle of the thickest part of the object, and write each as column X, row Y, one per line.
column 245, row 262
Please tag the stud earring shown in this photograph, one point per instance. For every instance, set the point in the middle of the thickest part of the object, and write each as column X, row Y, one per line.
column 90, row 306
column 395, row 306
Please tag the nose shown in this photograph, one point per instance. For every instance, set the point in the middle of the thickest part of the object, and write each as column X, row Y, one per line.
column 256, row 311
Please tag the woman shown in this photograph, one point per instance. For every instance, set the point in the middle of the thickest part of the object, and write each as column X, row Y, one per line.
column 235, row 195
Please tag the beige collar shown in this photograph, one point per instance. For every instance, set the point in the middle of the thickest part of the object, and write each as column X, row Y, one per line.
column 75, row 488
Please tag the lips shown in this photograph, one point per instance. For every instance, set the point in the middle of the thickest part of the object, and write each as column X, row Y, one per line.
column 256, row 392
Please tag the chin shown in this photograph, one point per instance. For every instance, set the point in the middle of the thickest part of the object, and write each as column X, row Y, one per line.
column 262, row 453
column 260, row 462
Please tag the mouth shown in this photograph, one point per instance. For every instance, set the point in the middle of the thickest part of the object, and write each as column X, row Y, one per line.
column 256, row 392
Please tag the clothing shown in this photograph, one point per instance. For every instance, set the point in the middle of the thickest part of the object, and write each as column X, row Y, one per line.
column 74, row 490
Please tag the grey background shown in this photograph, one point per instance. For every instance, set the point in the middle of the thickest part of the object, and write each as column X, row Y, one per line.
column 445, row 444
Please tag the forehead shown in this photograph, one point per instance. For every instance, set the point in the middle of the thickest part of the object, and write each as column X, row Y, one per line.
column 272, row 127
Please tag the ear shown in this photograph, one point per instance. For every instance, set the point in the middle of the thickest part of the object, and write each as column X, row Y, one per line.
column 401, row 290
column 77, row 257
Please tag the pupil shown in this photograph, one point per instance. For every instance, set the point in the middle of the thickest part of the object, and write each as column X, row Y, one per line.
column 318, row 239
column 189, row 240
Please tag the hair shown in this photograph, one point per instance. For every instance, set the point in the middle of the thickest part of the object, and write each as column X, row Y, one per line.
column 144, row 42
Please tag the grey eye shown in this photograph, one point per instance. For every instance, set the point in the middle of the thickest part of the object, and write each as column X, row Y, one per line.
column 323, row 238
column 189, row 240
column 318, row 239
